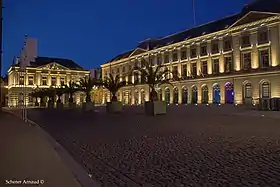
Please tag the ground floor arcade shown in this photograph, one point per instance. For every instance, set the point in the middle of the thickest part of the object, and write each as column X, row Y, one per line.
column 224, row 90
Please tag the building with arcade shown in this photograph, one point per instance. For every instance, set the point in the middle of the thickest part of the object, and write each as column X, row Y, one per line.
column 232, row 60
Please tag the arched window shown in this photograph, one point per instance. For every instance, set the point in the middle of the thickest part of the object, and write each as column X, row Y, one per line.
column 265, row 90
column 248, row 90
column 167, row 95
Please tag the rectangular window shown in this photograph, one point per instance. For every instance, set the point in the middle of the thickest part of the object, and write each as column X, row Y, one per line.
column 193, row 52
column 216, row 66
column 166, row 58
column 136, row 77
column 175, row 56
column 184, row 70
column 227, row 45
column 264, row 58
column 215, row 47
column 62, row 81
column 21, row 80
column 154, row 60
column 245, row 41
column 193, row 69
column 262, row 37
column 53, row 81
column 203, row 50
column 143, row 62
column 204, row 67
column 175, row 71
column 183, row 53
column 30, row 80
column 44, row 81
column 136, row 63
column 123, row 69
column 118, row 71
column 228, row 64
column 246, row 61
column 159, row 59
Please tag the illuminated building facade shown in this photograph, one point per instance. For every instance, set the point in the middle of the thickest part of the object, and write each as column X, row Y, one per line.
column 41, row 72
column 232, row 60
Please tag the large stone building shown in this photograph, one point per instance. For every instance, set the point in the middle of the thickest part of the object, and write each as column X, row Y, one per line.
column 30, row 71
column 232, row 60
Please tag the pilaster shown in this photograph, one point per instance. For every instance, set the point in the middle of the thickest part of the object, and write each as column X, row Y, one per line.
column 236, row 52
column 274, row 35
column 255, row 53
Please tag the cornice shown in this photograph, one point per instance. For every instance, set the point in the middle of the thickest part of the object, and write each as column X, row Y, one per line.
column 234, row 30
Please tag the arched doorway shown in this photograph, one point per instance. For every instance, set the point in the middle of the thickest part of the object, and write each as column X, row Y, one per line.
column 167, row 95
column 176, row 96
column 229, row 93
column 142, row 96
column 265, row 90
column 216, row 94
column 184, row 95
column 136, row 97
column 204, row 91
column 194, row 95
column 160, row 94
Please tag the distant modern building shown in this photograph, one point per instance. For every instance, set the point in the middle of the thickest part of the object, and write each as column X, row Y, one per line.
column 232, row 60
column 30, row 71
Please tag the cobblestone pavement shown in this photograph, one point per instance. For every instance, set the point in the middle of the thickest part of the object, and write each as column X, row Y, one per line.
column 190, row 146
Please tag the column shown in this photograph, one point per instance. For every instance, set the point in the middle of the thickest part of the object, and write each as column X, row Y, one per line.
column 179, row 63
column 179, row 94
column 199, row 97
column 236, row 52
column 221, row 59
column 255, row 53
column 274, row 35
column 132, row 95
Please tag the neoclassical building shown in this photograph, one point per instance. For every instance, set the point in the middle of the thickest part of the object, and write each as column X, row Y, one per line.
column 232, row 60
column 30, row 71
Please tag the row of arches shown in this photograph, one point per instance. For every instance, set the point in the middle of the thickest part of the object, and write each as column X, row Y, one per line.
column 191, row 96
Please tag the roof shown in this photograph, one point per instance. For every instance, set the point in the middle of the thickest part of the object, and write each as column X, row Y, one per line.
column 272, row 6
column 41, row 61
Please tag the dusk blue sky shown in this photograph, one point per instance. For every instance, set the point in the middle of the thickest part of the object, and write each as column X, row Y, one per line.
column 91, row 32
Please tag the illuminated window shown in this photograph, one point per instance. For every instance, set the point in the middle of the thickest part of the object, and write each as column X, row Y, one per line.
column 265, row 90
column 193, row 52
column 62, row 81
column 183, row 53
column 248, row 90
column 215, row 47
column 228, row 64
column 166, row 57
column 44, row 81
column 193, row 69
column 53, row 81
column 246, row 61
column 245, row 41
column 203, row 50
column 262, row 37
column 175, row 71
column 227, row 45
column 175, row 56
column 184, row 70
column 216, row 66
column 264, row 58
column 204, row 67
column 21, row 80
column 30, row 80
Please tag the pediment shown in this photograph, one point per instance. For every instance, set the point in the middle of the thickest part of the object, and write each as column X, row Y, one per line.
column 252, row 17
column 53, row 66
column 137, row 51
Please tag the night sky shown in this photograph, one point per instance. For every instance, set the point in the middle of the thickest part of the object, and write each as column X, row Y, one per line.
column 91, row 32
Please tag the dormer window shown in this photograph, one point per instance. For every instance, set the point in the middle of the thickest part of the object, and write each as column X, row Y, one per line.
column 193, row 52
column 215, row 47
column 175, row 56
column 245, row 41
column 203, row 50
column 262, row 37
